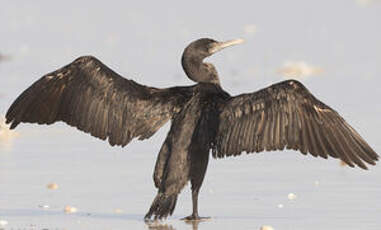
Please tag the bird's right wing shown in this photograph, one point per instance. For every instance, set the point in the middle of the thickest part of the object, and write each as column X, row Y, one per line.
column 90, row 96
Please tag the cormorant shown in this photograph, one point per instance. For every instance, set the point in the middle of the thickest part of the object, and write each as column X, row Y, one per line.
column 92, row 97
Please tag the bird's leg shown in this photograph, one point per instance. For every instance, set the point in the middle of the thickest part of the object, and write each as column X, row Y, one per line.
column 195, row 216
column 200, row 158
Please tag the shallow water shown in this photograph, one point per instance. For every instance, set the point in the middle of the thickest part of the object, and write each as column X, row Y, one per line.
column 239, row 193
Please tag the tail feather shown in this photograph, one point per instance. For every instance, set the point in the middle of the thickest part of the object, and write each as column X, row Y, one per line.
column 162, row 206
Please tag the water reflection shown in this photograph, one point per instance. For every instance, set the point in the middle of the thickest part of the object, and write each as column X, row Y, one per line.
column 164, row 226
column 159, row 226
column 194, row 224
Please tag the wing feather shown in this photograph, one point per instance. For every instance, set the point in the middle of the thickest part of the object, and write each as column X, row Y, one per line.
column 287, row 115
column 90, row 96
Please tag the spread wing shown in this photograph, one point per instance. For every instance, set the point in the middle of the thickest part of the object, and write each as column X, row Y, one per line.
column 90, row 96
column 287, row 115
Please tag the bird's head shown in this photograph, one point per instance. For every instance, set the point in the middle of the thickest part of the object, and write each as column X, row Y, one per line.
column 196, row 52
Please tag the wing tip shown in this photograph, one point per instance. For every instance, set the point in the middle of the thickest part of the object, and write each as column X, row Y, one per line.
column 13, row 125
column 7, row 120
column 11, row 122
column 376, row 156
column 363, row 166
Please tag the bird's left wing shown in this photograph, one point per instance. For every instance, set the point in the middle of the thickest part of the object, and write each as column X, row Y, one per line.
column 287, row 115
column 90, row 96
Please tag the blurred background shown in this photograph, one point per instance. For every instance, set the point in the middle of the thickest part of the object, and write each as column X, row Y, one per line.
column 333, row 47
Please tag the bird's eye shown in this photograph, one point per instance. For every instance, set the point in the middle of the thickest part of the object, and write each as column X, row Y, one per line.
column 210, row 46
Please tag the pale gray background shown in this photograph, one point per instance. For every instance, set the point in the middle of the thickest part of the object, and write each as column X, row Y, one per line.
column 144, row 41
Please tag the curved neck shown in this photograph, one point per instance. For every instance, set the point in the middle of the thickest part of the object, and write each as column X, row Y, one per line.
column 199, row 71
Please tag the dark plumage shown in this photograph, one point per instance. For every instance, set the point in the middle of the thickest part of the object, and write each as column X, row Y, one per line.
column 90, row 96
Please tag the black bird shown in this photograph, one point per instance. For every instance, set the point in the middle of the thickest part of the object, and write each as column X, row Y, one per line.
column 90, row 96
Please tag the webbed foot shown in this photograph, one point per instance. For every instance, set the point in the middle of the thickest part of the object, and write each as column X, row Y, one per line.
column 194, row 217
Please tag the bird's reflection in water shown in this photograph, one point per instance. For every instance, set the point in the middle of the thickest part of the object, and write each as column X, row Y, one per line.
column 155, row 225
column 194, row 224
column 159, row 226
